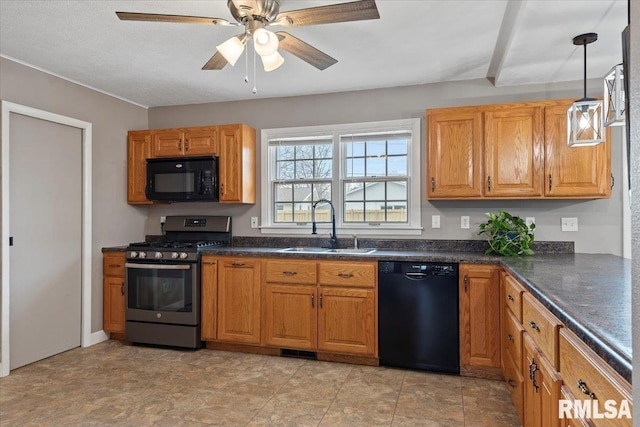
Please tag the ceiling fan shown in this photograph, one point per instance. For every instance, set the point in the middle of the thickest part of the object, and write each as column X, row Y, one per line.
column 256, row 16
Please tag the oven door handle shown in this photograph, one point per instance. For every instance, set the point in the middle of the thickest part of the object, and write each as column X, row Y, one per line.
column 158, row 266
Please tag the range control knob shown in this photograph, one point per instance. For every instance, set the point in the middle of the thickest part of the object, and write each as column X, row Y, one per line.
column 183, row 255
column 174, row 255
column 142, row 255
column 133, row 254
column 158, row 255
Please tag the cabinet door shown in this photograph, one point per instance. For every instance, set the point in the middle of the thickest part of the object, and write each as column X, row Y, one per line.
column 113, row 319
column 541, row 390
column 237, row 164
column 168, row 143
column 209, row 282
column 201, row 141
column 138, row 151
column 454, row 168
column 479, row 315
column 291, row 316
column 239, row 300
column 580, row 172
column 347, row 321
column 514, row 144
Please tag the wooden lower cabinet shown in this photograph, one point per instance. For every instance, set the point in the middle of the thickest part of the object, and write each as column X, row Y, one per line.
column 541, row 388
column 291, row 313
column 346, row 320
column 480, row 319
column 113, row 292
column 239, row 291
column 209, row 298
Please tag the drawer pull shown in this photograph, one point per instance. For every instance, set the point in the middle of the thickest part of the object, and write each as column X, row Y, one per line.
column 237, row 264
column 510, row 298
column 312, row 301
column 583, row 388
column 511, row 383
column 115, row 265
column 320, row 300
column 533, row 367
column 510, row 337
column 345, row 275
column 534, row 326
column 433, row 184
column 289, row 273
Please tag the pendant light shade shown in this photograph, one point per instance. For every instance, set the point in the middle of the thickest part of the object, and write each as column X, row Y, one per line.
column 614, row 102
column 265, row 42
column 232, row 49
column 585, row 118
column 272, row 62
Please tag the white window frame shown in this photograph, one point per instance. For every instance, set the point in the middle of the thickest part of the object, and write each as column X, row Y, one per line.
column 414, row 224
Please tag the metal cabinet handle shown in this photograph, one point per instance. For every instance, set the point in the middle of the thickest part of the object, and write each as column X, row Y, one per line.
column 115, row 265
column 583, row 388
column 533, row 367
column 489, row 181
column 222, row 188
column 466, row 282
column 345, row 275
column 511, row 383
column 289, row 273
column 433, row 184
column 186, row 144
column 122, row 288
column 312, row 298
column 550, row 182
column 237, row 264
column 510, row 338
column 613, row 181
column 320, row 300
column 510, row 298
column 180, row 144
column 209, row 263
column 534, row 326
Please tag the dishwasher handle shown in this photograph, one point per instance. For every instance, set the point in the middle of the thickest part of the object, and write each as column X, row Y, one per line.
column 415, row 276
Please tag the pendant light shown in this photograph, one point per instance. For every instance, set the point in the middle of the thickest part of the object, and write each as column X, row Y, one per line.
column 585, row 119
column 614, row 103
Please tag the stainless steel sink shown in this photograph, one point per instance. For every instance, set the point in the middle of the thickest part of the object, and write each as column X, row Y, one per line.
column 351, row 251
column 305, row 250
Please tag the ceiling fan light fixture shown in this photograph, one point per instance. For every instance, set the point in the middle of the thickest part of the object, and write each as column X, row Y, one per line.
column 585, row 118
column 231, row 49
column 265, row 42
column 272, row 62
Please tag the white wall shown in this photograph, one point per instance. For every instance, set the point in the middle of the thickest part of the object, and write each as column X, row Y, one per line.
column 114, row 221
column 600, row 221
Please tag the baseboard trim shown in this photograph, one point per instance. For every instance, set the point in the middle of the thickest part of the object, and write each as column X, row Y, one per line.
column 98, row 337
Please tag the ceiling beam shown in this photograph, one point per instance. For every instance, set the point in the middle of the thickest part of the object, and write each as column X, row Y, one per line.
column 512, row 14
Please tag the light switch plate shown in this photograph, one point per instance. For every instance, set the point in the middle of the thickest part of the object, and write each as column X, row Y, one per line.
column 435, row 221
column 530, row 220
column 464, row 221
column 570, row 224
column 254, row 222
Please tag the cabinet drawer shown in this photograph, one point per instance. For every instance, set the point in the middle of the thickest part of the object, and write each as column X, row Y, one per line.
column 542, row 326
column 291, row 272
column 512, row 296
column 515, row 383
column 113, row 264
column 361, row 274
column 584, row 372
column 512, row 338
column 572, row 421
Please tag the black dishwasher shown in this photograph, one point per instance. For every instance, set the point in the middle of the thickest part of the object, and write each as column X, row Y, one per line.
column 418, row 315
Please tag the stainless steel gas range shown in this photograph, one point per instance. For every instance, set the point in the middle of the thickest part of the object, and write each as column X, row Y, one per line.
column 162, row 291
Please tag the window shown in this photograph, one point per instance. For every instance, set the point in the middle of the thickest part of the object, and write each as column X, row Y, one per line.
column 369, row 171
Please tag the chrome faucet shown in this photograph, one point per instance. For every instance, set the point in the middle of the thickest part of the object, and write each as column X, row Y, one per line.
column 314, row 230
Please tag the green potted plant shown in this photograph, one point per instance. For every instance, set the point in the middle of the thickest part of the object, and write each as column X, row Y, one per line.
column 507, row 234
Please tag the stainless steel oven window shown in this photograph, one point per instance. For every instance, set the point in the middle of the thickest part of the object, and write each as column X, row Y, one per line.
column 161, row 287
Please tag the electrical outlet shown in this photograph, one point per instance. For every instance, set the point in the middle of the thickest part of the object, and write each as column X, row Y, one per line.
column 464, row 222
column 163, row 219
column 435, row 221
column 530, row 220
column 569, row 224
column 254, row 222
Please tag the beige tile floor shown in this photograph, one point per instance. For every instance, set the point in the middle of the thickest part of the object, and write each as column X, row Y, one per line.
column 117, row 384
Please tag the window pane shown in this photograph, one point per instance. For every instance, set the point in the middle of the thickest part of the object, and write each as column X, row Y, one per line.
column 376, row 166
column 353, row 212
column 302, row 192
column 321, row 191
column 284, row 152
column 397, row 212
column 284, row 193
column 284, row 170
column 355, row 149
column 323, row 169
column 302, row 212
column 355, row 167
column 304, row 152
column 304, row 169
column 323, row 212
column 284, row 212
column 324, row 151
column 374, row 212
column 397, row 146
column 354, row 191
column 397, row 166
column 376, row 148
column 397, row 190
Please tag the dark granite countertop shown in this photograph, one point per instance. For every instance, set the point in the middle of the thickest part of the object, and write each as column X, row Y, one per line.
column 589, row 293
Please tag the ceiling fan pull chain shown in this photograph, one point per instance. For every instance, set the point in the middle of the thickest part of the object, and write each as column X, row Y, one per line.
column 255, row 89
column 246, row 64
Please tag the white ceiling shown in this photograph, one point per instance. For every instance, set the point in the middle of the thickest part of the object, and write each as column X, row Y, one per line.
column 414, row 42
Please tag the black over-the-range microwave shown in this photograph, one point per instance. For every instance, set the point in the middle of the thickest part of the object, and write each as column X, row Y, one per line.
column 182, row 179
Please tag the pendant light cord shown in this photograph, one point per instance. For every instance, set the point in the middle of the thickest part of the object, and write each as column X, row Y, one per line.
column 585, row 71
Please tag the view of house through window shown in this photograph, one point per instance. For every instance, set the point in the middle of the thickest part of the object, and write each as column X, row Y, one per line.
column 364, row 170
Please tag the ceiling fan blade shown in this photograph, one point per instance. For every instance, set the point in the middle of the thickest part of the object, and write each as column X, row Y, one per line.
column 305, row 51
column 342, row 12
column 217, row 62
column 132, row 16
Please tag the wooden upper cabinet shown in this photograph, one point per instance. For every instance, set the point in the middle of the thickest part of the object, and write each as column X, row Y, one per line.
column 454, row 168
column 578, row 172
column 197, row 141
column 237, row 168
column 138, row 151
column 513, row 156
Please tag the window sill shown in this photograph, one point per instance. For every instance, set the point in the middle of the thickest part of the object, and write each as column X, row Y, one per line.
column 364, row 230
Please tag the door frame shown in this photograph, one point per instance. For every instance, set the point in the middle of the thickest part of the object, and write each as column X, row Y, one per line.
column 87, row 130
